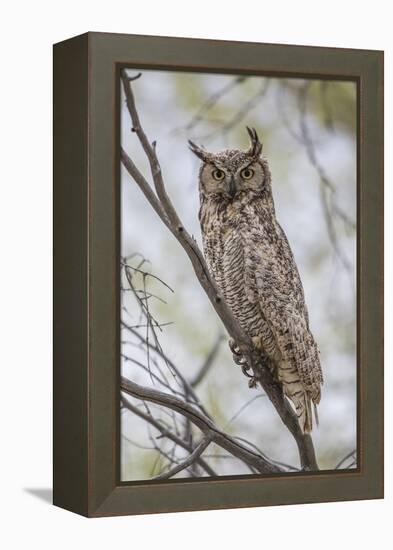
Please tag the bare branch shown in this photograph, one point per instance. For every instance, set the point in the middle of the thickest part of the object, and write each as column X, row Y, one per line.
column 146, row 274
column 289, row 467
column 212, row 100
column 346, row 457
column 327, row 189
column 145, row 313
column 236, row 119
column 166, row 433
column 189, row 391
column 196, row 453
column 204, row 423
column 162, row 454
column 153, row 376
column 208, row 362
column 145, row 187
column 243, row 408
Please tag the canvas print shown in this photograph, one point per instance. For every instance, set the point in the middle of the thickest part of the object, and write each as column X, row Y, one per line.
column 237, row 275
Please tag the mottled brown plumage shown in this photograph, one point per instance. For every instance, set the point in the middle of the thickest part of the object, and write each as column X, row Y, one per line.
column 251, row 260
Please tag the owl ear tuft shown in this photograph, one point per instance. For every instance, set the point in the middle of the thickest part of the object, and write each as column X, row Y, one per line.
column 200, row 152
column 255, row 148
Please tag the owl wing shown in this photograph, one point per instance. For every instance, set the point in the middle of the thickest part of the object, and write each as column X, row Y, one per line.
column 275, row 282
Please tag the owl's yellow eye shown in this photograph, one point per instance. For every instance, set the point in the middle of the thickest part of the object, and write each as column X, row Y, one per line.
column 247, row 173
column 218, row 175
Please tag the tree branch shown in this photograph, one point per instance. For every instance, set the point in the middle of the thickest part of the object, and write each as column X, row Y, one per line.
column 326, row 186
column 248, row 106
column 350, row 455
column 220, row 438
column 167, row 433
column 207, row 363
column 196, row 453
column 212, row 100
column 188, row 389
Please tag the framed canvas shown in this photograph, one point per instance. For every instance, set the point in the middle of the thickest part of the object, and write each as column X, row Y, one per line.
column 205, row 193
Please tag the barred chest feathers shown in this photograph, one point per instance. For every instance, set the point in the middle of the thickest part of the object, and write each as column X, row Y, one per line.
column 227, row 231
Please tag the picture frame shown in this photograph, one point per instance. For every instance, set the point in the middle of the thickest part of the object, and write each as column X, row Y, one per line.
column 86, row 433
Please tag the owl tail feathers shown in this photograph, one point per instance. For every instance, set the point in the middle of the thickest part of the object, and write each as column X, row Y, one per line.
column 304, row 409
column 304, row 412
column 304, row 406
column 316, row 413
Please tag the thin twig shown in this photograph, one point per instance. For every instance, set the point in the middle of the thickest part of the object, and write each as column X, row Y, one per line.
column 204, row 423
column 166, row 433
column 186, row 385
column 212, row 100
column 146, row 274
column 245, row 109
column 196, row 453
column 326, row 106
column 200, row 375
column 327, row 189
column 243, row 408
column 346, row 457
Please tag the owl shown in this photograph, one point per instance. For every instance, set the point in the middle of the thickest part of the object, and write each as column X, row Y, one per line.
column 251, row 261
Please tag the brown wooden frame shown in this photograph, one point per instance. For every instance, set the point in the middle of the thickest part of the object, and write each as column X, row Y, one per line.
column 86, row 273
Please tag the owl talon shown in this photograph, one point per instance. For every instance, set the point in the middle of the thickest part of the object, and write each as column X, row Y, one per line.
column 239, row 360
column 234, row 347
column 253, row 382
column 245, row 369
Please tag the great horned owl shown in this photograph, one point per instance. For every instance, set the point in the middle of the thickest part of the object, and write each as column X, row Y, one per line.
column 251, row 260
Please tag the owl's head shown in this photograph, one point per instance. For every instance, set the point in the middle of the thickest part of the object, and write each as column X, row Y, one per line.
column 233, row 173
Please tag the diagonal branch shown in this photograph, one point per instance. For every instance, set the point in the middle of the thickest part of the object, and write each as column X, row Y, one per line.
column 143, row 184
column 165, row 432
column 188, row 388
column 196, row 453
column 327, row 188
column 166, row 211
column 212, row 101
column 245, row 109
column 220, row 438
column 350, row 455
column 208, row 362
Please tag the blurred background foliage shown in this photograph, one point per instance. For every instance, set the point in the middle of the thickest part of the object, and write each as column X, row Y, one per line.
column 308, row 129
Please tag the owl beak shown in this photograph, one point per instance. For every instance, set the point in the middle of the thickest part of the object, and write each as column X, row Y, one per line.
column 232, row 187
